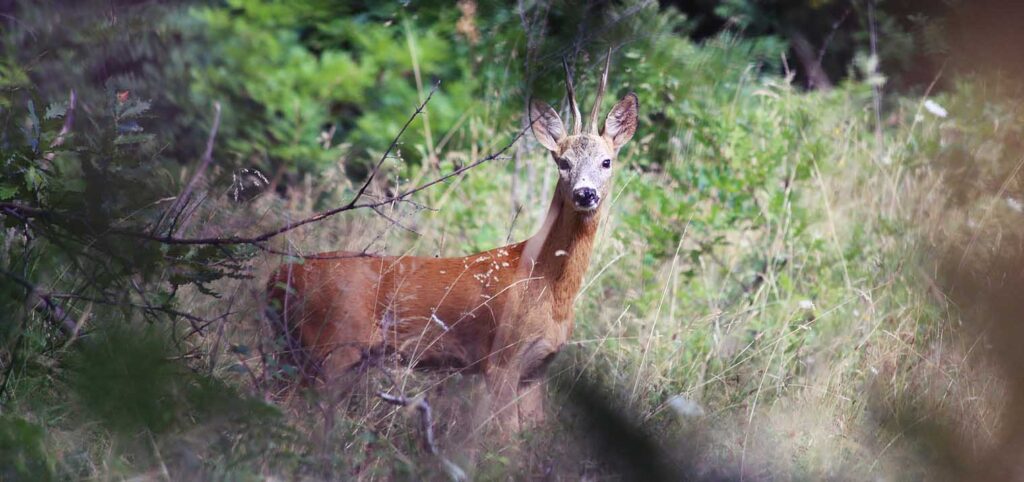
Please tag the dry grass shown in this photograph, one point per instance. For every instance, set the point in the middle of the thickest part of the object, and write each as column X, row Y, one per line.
column 846, row 359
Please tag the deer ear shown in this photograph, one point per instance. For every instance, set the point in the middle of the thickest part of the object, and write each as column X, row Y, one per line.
column 621, row 122
column 547, row 126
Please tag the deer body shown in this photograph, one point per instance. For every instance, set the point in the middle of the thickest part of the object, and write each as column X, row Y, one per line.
column 436, row 312
column 504, row 312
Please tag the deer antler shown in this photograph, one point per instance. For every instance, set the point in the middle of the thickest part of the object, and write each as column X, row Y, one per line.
column 577, row 118
column 595, row 112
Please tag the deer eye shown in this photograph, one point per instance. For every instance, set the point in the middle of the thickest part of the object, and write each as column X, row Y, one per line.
column 607, row 163
column 563, row 163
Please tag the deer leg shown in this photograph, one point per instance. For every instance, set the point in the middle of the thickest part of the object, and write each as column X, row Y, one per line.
column 530, row 389
column 340, row 361
column 530, row 404
column 502, row 385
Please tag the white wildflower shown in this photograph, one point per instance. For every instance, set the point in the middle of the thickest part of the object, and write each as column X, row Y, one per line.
column 935, row 108
column 454, row 471
column 438, row 321
column 806, row 305
column 1015, row 204
column 685, row 407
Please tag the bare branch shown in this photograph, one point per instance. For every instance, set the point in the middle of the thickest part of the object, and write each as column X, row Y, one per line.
column 423, row 408
column 831, row 34
column 257, row 240
column 351, row 205
column 60, row 317
column 22, row 211
column 198, row 324
column 181, row 202
column 394, row 143
column 292, row 254
column 426, row 426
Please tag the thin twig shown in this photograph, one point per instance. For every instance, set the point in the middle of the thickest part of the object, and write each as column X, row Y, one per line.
column 292, row 254
column 512, row 224
column 352, row 205
column 63, row 321
column 394, row 143
column 197, row 323
column 426, row 423
column 395, row 222
column 831, row 34
column 182, row 200
column 426, row 417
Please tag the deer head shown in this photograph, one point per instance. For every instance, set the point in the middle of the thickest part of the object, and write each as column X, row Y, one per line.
column 585, row 159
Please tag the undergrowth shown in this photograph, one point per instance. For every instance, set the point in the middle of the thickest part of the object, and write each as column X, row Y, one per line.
column 774, row 291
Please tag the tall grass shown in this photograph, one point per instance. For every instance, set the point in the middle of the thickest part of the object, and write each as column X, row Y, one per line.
column 764, row 301
column 796, row 344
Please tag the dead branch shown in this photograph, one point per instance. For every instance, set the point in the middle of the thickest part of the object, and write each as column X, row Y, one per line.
column 22, row 211
column 394, row 143
column 426, row 420
column 198, row 324
column 181, row 202
column 351, row 205
column 831, row 34
column 57, row 313
column 426, row 428
column 426, row 416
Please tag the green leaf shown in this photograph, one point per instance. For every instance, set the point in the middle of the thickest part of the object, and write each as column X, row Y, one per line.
column 56, row 110
column 7, row 191
column 135, row 108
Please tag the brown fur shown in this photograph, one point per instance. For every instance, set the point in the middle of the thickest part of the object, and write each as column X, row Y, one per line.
column 500, row 312
column 504, row 312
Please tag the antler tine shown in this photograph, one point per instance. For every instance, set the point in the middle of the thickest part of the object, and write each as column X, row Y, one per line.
column 595, row 112
column 570, row 91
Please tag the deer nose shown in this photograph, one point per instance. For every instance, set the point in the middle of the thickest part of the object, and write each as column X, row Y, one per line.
column 585, row 197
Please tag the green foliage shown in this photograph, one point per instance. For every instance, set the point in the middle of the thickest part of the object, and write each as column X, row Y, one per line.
column 125, row 379
column 757, row 250
column 23, row 453
column 733, row 134
column 97, row 47
column 313, row 84
column 85, row 187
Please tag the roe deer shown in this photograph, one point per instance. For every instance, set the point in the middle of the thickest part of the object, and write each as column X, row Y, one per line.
column 504, row 313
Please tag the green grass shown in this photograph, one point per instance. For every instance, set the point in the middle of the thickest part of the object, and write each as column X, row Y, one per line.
column 767, row 259
column 799, row 320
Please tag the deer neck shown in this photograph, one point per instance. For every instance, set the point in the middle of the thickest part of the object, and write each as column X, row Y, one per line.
column 558, row 255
